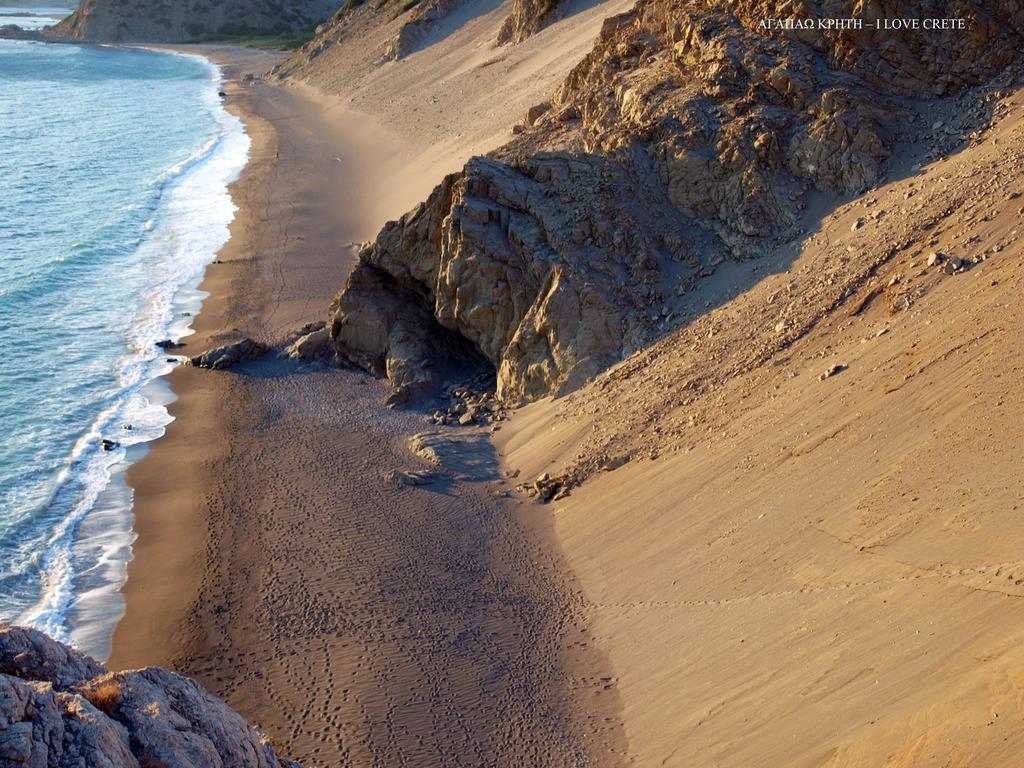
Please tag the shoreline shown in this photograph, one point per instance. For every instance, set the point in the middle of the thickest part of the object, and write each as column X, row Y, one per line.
column 91, row 547
column 143, row 485
column 95, row 612
column 352, row 620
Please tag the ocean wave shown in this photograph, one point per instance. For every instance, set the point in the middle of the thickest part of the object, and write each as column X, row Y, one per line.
column 187, row 227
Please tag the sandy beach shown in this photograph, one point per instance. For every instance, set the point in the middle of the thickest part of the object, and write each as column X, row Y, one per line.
column 356, row 622
column 747, row 490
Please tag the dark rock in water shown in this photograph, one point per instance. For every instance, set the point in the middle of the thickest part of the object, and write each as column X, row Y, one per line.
column 60, row 708
column 229, row 355
column 168, row 344
column 111, row 445
column 222, row 94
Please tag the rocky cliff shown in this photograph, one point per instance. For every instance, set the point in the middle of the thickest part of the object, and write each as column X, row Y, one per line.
column 60, row 709
column 167, row 21
column 691, row 135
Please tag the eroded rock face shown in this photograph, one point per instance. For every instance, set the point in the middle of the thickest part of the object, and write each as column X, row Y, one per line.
column 60, row 709
column 484, row 258
column 689, row 136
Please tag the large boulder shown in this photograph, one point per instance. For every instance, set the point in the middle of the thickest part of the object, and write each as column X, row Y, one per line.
column 61, row 709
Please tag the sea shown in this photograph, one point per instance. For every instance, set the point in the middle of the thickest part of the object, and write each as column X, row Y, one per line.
column 114, row 171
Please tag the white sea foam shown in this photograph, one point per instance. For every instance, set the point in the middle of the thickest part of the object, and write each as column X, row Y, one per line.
column 86, row 557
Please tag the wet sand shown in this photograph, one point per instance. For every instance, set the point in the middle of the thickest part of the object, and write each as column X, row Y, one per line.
column 357, row 622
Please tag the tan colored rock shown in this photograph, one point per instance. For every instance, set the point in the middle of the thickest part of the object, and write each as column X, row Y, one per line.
column 536, row 112
column 147, row 21
column 307, row 346
column 527, row 18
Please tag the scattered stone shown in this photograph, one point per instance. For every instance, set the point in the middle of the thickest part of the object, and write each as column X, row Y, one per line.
column 833, row 370
column 110, row 445
column 168, row 344
column 935, row 258
column 953, row 265
column 547, row 488
column 470, row 403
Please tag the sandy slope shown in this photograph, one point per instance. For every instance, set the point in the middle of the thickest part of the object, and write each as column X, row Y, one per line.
column 799, row 572
column 458, row 95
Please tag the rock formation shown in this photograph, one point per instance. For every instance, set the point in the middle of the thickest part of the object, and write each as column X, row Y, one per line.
column 167, row 21
column 422, row 18
column 229, row 355
column 527, row 18
column 311, row 339
column 60, row 709
column 690, row 135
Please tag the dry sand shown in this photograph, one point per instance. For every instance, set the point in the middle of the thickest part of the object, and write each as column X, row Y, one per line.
column 801, row 572
column 357, row 622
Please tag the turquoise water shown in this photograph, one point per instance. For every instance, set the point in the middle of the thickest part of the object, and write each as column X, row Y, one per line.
column 113, row 198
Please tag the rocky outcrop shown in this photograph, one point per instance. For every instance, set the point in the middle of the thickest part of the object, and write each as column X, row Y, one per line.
column 414, row 21
column 60, row 709
column 527, row 18
column 229, row 355
column 168, row 21
column 312, row 339
column 423, row 18
column 690, row 135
